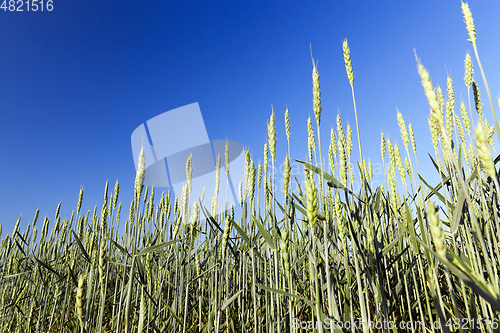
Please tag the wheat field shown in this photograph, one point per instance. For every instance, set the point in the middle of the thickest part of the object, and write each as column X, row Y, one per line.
column 326, row 258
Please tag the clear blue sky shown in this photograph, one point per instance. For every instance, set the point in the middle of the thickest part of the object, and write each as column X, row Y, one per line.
column 75, row 82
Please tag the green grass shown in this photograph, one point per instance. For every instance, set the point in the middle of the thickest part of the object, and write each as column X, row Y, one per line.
column 323, row 254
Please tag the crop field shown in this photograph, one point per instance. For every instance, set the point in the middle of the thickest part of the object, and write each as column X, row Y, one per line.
column 408, row 255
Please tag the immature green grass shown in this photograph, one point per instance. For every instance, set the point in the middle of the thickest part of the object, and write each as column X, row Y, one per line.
column 325, row 254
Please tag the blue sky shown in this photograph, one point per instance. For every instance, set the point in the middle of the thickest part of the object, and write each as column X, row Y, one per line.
column 75, row 82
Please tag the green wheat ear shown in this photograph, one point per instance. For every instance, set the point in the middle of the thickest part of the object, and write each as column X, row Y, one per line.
column 333, row 142
column 266, row 161
column 287, row 124
column 460, row 129
column 450, row 107
column 399, row 163
column 403, row 130
column 311, row 141
column 78, row 205
column 469, row 71
column 312, row 200
column 436, row 229
column 286, row 175
column 484, row 152
column 412, row 139
column 316, row 91
column 347, row 61
column 284, row 246
column 271, row 133
column 469, row 22
column 382, row 146
column 215, row 207
column 79, row 300
column 139, row 177
column 350, row 75
column 225, row 235
column 287, row 129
